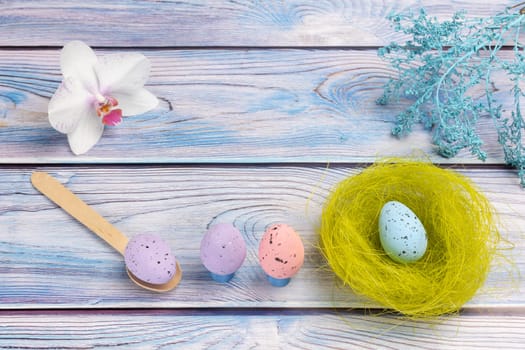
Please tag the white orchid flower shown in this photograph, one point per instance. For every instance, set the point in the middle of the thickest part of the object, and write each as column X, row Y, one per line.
column 97, row 92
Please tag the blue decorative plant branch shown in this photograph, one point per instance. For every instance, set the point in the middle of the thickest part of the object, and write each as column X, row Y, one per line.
column 439, row 69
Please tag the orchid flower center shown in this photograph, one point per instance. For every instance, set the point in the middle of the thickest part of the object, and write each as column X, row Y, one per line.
column 106, row 109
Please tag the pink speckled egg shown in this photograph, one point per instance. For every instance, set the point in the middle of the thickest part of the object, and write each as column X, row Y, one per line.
column 281, row 251
column 149, row 258
column 223, row 251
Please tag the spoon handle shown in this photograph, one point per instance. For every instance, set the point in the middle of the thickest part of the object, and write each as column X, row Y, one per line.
column 75, row 207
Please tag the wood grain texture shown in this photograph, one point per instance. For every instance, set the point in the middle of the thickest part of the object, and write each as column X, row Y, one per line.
column 48, row 260
column 126, row 23
column 243, row 85
column 241, row 106
column 162, row 329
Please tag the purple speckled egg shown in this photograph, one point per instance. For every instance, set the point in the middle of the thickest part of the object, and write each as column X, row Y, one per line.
column 223, row 249
column 150, row 259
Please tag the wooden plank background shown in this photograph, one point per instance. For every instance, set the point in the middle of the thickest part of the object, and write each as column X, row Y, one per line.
column 265, row 106
column 258, row 105
column 201, row 23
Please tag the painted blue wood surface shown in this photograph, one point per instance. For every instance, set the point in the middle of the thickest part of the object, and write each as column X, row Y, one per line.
column 261, row 329
column 207, row 23
column 240, row 106
column 49, row 260
column 243, row 85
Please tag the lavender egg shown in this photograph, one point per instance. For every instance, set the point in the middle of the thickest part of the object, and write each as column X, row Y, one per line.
column 223, row 249
column 149, row 258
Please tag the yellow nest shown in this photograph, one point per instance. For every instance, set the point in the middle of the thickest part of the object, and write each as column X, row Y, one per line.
column 461, row 229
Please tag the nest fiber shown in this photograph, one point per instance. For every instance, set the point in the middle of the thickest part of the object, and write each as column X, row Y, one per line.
column 460, row 225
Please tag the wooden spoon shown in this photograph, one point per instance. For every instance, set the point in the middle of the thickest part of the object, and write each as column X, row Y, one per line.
column 86, row 215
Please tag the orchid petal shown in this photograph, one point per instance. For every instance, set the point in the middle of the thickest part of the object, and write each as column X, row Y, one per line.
column 86, row 135
column 136, row 102
column 69, row 104
column 77, row 60
column 122, row 72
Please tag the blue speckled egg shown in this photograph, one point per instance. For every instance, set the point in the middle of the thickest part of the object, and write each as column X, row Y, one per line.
column 402, row 234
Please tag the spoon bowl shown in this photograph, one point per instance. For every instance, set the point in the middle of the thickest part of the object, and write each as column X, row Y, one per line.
column 164, row 287
column 86, row 215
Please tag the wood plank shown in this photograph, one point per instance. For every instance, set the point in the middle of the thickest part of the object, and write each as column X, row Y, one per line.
column 265, row 330
column 241, row 106
column 48, row 260
column 215, row 23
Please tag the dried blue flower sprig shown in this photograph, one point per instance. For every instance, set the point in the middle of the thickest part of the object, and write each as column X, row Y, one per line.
column 439, row 68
